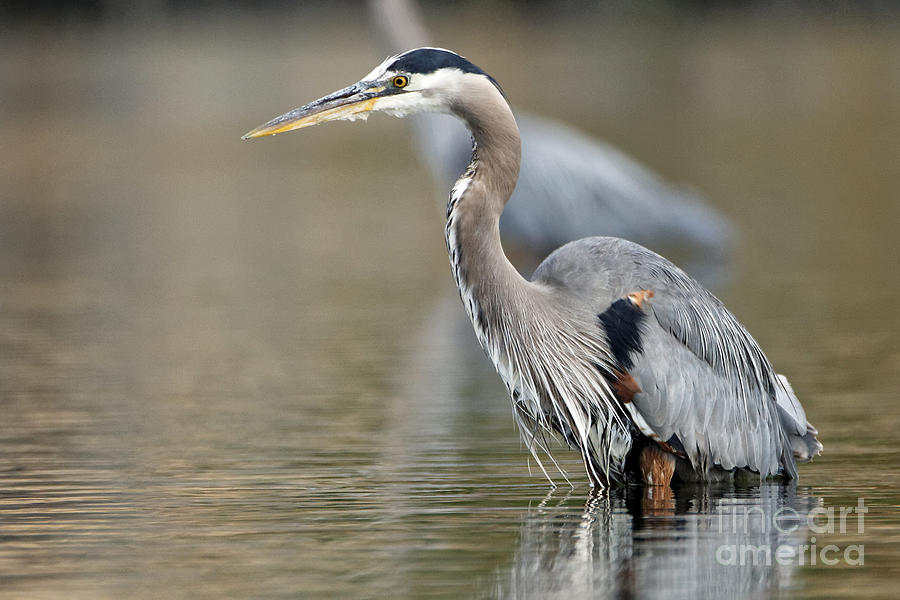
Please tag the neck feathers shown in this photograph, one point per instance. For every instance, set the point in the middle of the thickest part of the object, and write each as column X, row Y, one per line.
column 483, row 274
column 551, row 373
column 498, row 148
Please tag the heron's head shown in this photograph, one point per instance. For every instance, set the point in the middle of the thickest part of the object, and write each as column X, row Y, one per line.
column 421, row 80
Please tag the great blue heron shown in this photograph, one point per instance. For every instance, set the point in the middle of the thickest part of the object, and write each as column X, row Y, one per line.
column 570, row 185
column 609, row 345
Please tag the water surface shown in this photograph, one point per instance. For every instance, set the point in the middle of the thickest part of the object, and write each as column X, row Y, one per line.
column 240, row 370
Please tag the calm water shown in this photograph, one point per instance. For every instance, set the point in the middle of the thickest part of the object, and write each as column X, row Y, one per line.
column 240, row 370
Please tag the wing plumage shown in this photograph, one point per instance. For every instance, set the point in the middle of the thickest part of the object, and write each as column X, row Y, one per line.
column 705, row 383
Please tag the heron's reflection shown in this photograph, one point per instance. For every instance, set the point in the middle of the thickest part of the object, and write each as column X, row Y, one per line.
column 701, row 541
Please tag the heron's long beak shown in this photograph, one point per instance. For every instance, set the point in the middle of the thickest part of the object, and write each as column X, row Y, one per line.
column 349, row 103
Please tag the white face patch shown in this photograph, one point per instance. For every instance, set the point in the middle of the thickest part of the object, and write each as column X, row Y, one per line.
column 430, row 92
column 410, row 102
column 434, row 92
column 444, row 82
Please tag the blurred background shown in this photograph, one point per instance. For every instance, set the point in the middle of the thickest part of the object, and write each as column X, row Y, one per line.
column 241, row 369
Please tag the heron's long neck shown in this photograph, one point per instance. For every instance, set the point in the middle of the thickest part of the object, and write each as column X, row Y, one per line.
column 484, row 275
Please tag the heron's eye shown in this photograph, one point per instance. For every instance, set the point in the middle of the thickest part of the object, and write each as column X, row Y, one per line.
column 400, row 81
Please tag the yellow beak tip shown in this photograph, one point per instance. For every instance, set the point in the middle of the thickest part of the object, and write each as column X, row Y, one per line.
column 252, row 134
column 307, row 118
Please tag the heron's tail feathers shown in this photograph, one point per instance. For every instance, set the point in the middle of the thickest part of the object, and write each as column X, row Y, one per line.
column 801, row 434
column 806, row 446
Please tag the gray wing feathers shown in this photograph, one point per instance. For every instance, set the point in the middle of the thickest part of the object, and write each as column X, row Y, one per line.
column 716, row 423
column 801, row 433
column 793, row 417
column 728, row 416
column 740, row 413
column 701, row 322
column 703, row 377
